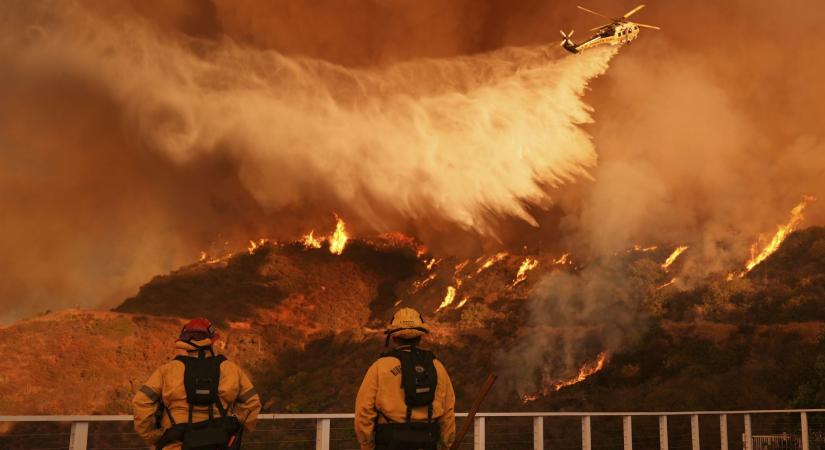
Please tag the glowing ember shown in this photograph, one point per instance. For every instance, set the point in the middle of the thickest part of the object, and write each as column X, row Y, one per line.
column 418, row 285
column 462, row 302
column 432, row 262
column 586, row 371
column 672, row 258
column 563, row 259
column 461, row 266
column 490, row 261
column 310, row 241
column 639, row 248
column 672, row 280
column 526, row 266
column 339, row 238
column 448, row 299
column 757, row 256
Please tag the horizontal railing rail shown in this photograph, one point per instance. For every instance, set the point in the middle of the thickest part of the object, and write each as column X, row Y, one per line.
column 79, row 435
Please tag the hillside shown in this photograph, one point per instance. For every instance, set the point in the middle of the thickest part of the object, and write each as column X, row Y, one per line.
column 306, row 323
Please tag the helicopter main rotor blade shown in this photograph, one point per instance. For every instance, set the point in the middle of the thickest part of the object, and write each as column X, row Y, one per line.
column 599, row 27
column 652, row 27
column 594, row 12
column 633, row 11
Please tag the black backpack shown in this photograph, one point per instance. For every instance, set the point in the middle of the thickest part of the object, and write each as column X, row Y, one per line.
column 419, row 380
column 201, row 377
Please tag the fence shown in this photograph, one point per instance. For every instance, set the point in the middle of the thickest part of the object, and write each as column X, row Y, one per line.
column 598, row 430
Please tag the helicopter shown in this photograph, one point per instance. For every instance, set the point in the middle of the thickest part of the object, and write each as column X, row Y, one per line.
column 617, row 32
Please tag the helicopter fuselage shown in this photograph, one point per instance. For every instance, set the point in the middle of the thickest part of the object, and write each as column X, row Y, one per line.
column 617, row 33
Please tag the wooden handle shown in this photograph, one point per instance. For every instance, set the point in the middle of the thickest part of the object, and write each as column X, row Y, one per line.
column 465, row 426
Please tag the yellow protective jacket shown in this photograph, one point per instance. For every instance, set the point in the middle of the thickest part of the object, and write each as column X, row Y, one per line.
column 237, row 393
column 382, row 390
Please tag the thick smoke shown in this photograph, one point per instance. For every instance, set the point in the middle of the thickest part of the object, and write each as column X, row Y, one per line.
column 573, row 318
column 134, row 134
column 461, row 141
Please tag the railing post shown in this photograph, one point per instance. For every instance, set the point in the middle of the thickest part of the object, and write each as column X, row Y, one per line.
column 723, row 431
column 694, row 432
column 748, row 436
column 804, row 417
column 79, row 437
column 662, row 432
column 627, row 426
column 479, row 440
column 586, row 443
column 322, row 434
column 538, row 433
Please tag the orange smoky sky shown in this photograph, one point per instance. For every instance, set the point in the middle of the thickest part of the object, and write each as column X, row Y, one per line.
column 134, row 134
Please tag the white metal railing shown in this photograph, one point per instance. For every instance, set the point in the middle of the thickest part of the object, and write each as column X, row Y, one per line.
column 78, row 439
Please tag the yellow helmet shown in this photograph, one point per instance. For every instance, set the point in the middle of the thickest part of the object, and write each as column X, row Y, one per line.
column 406, row 323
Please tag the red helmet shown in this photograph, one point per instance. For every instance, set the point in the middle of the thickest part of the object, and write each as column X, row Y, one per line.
column 197, row 329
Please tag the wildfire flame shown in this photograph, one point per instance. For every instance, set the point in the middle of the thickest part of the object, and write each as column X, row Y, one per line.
column 448, row 299
column 311, row 241
column 526, row 266
column 639, row 248
column 563, row 259
column 782, row 232
column 337, row 241
column 339, row 238
column 256, row 245
column 587, row 370
column 673, row 256
column 462, row 302
column 490, row 261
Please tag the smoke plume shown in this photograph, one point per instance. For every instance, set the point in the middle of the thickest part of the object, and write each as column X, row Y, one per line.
column 135, row 133
column 461, row 141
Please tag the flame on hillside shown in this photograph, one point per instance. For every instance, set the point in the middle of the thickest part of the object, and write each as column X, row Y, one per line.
column 673, row 256
column 490, row 261
column 448, row 298
column 563, row 259
column 339, row 238
column 640, row 248
column 337, row 241
column 310, row 241
column 256, row 245
column 462, row 302
column 526, row 266
column 587, row 370
column 782, row 232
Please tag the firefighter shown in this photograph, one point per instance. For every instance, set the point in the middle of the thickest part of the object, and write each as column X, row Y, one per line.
column 406, row 400
column 200, row 388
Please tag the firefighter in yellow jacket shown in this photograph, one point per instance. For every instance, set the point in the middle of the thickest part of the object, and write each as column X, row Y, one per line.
column 406, row 400
column 200, row 388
